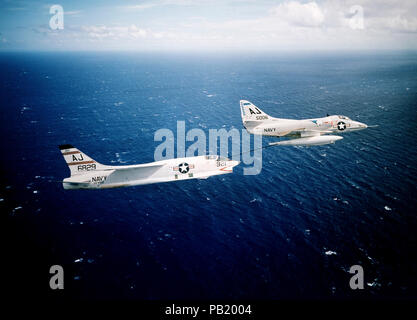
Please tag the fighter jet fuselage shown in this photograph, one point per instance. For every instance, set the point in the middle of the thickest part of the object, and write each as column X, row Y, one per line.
column 87, row 173
column 300, row 132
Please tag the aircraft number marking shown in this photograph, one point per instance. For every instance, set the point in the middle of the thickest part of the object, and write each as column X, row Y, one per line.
column 221, row 163
column 80, row 158
column 87, row 167
column 257, row 111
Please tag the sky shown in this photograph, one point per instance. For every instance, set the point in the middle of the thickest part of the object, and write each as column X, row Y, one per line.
column 209, row 25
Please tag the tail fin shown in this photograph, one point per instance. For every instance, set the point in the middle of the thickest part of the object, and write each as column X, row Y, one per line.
column 251, row 114
column 78, row 162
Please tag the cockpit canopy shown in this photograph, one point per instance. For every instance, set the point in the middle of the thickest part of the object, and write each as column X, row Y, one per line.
column 218, row 158
column 344, row 117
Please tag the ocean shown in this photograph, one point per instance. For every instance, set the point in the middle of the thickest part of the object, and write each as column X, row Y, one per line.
column 291, row 232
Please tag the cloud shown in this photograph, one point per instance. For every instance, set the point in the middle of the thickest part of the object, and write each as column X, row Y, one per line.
column 72, row 13
column 392, row 17
column 383, row 16
column 159, row 3
column 142, row 6
column 117, row 32
column 300, row 14
column 293, row 24
column 402, row 24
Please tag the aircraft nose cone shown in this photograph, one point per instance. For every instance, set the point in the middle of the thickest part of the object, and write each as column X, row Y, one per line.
column 360, row 125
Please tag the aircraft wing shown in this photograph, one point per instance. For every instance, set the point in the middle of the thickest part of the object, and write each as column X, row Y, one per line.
column 151, row 166
column 133, row 172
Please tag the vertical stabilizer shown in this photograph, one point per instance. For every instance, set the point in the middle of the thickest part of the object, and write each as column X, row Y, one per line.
column 78, row 162
column 251, row 113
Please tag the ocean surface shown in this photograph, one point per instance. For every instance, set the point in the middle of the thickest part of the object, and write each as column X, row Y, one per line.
column 290, row 232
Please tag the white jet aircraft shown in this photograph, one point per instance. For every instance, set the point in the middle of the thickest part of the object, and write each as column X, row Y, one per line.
column 87, row 173
column 307, row 132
